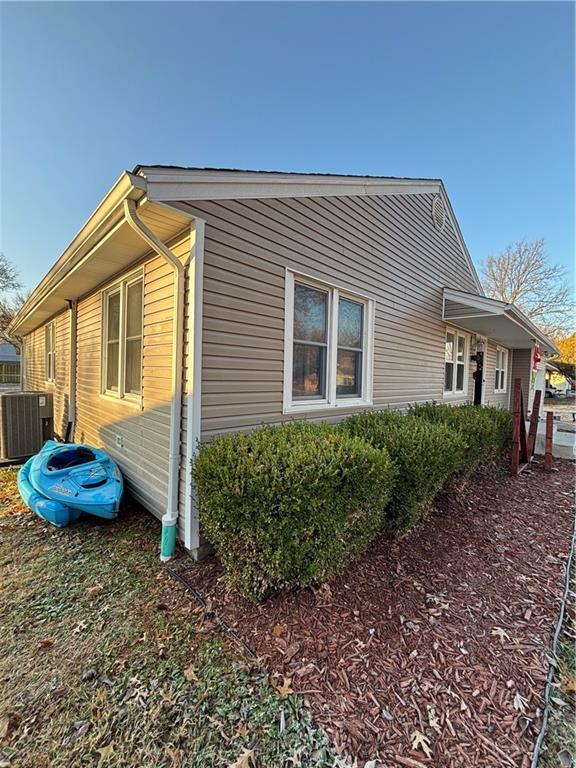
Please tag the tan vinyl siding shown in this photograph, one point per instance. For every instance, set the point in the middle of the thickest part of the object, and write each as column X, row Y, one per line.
column 35, row 368
column 497, row 399
column 522, row 369
column 34, row 377
column 384, row 247
column 62, row 383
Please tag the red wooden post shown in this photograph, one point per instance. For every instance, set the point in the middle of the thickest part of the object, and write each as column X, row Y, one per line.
column 548, row 446
column 517, row 417
column 524, row 458
column 534, row 419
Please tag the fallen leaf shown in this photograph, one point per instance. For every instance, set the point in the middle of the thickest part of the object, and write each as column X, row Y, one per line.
column 559, row 702
column 291, row 651
column 242, row 730
column 4, row 726
column 419, row 741
column 105, row 753
column 568, row 682
column 245, row 760
column 520, row 703
column 190, row 673
column 433, row 721
column 284, row 689
column 501, row 633
column 45, row 643
column 324, row 592
column 278, row 630
column 94, row 591
column 81, row 729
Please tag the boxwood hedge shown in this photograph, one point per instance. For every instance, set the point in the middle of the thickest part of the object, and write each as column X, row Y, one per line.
column 290, row 505
column 426, row 455
column 485, row 430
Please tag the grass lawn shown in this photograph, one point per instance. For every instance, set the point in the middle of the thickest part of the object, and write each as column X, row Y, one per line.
column 104, row 662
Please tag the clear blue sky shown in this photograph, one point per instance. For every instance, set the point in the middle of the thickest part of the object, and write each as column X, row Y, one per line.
column 479, row 94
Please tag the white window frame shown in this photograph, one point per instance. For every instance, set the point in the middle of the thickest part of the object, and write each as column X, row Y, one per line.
column 504, row 355
column 50, row 352
column 120, row 287
column 453, row 392
column 331, row 400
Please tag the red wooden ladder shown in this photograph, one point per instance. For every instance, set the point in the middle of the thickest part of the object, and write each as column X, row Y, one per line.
column 523, row 447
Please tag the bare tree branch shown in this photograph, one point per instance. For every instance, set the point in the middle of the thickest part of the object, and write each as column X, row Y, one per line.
column 523, row 275
column 11, row 299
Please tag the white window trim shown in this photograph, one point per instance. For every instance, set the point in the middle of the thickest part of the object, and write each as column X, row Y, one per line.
column 120, row 286
column 50, row 354
column 505, row 357
column 456, row 393
column 330, row 401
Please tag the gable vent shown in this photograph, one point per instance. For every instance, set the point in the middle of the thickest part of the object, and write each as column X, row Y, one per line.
column 438, row 213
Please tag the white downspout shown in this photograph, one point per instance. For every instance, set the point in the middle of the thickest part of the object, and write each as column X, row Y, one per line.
column 170, row 517
column 23, row 356
column 73, row 309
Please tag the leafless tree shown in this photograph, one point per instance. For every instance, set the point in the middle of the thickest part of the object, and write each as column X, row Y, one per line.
column 523, row 275
column 11, row 298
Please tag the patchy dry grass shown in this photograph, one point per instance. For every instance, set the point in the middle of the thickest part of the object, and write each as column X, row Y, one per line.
column 559, row 749
column 104, row 662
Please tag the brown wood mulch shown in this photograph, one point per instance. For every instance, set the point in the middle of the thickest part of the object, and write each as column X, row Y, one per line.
column 435, row 642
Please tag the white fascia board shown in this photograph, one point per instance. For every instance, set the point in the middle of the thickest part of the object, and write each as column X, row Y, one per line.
column 483, row 303
column 517, row 316
column 171, row 184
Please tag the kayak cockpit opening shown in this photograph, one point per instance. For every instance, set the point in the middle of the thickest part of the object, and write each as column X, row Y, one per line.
column 67, row 459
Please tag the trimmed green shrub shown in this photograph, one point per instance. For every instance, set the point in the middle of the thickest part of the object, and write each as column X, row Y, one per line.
column 503, row 424
column 484, row 429
column 426, row 456
column 290, row 505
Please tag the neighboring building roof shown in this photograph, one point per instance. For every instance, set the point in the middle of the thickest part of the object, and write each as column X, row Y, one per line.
column 9, row 354
column 157, row 190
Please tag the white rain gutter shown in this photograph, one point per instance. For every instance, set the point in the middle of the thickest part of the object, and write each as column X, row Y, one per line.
column 170, row 517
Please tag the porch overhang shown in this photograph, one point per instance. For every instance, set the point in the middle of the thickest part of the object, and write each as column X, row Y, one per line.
column 501, row 322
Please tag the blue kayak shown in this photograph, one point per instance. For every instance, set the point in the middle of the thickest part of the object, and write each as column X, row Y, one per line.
column 65, row 480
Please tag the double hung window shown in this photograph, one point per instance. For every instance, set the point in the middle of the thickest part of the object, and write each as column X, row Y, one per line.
column 122, row 342
column 328, row 346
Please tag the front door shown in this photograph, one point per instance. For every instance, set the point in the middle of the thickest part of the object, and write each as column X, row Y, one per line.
column 478, row 376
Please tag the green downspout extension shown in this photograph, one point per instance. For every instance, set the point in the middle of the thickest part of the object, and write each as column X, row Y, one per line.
column 167, row 541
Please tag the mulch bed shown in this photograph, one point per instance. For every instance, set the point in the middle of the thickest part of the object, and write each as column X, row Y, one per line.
column 443, row 632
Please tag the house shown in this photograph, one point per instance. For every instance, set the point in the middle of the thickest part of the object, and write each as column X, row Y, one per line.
column 556, row 382
column 197, row 301
column 9, row 366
